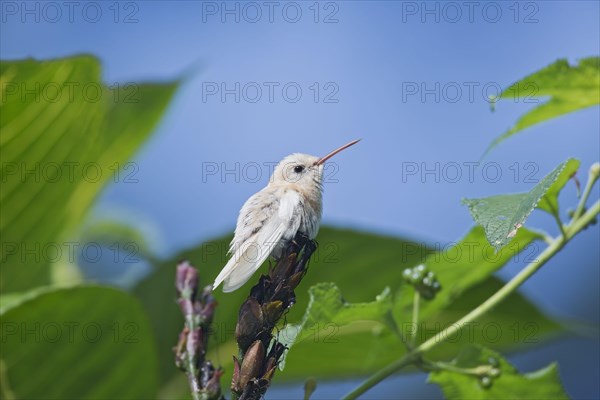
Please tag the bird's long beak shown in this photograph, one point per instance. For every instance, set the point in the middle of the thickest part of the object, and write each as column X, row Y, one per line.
column 333, row 153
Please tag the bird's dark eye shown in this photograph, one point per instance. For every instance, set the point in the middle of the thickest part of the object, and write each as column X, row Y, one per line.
column 298, row 169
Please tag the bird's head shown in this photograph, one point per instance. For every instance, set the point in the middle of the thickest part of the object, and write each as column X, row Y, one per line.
column 300, row 170
column 303, row 170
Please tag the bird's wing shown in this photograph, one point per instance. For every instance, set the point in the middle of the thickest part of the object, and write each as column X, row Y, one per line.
column 255, row 249
column 254, row 214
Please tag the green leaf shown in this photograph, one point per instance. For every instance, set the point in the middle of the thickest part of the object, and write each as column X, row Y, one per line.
column 464, row 265
column 364, row 347
column 515, row 323
column 360, row 264
column 328, row 308
column 549, row 202
column 542, row 384
column 10, row 300
column 465, row 271
column 65, row 135
column 501, row 216
column 82, row 343
column 110, row 231
column 570, row 88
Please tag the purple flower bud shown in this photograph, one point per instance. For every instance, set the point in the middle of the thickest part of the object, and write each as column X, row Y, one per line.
column 205, row 305
column 213, row 386
column 186, row 280
column 194, row 343
column 180, row 348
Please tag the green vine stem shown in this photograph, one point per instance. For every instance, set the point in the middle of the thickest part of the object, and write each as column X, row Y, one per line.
column 576, row 226
column 443, row 366
column 559, row 222
column 415, row 317
column 594, row 174
column 393, row 326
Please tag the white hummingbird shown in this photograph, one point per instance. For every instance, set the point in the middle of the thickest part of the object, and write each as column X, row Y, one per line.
column 290, row 203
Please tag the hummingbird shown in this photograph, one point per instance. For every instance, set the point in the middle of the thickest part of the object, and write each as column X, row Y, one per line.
column 291, row 203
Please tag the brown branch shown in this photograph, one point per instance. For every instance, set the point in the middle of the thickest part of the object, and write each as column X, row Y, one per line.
column 269, row 300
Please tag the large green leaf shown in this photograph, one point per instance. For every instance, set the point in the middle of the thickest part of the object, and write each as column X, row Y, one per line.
column 328, row 308
column 465, row 264
column 358, row 349
column 65, row 134
column 501, row 216
column 570, row 88
column 361, row 265
column 465, row 271
column 109, row 231
column 79, row 343
column 516, row 322
column 542, row 384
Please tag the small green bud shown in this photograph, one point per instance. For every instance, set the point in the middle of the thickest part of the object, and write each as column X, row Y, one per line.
column 595, row 170
column 493, row 361
column 485, row 382
column 309, row 387
column 423, row 280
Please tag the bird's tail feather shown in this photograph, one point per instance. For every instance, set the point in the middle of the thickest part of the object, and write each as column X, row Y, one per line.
column 248, row 258
column 241, row 274
column 225, row 272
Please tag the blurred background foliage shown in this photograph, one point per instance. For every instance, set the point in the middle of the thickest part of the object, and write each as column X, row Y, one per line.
column 63, row 336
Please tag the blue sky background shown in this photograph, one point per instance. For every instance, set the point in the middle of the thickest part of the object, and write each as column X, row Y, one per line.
column 373, row 51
